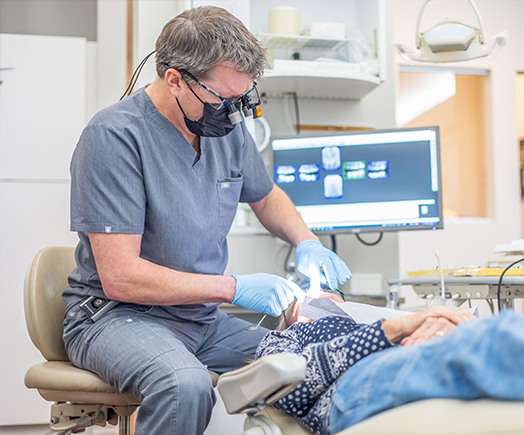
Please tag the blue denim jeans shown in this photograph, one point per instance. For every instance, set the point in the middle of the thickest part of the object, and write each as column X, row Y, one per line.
column 479, row 359
column 160, row 360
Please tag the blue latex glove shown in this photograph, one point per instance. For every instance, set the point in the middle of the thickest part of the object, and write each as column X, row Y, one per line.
column 265, row 293
column 313, row 252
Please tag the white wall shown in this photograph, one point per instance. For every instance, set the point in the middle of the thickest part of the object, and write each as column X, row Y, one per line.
column 471, row 241
column 46, row 17
column 520, row 104
column 150, row 18
column 111, row 52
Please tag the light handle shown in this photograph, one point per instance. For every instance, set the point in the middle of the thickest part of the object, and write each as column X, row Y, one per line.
column 418, row 38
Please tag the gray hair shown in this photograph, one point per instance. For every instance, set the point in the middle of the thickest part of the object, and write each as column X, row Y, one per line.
column 202, row 38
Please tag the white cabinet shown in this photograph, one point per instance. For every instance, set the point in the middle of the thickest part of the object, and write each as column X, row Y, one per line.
column 42, row 106
column 32, row 216
column 42, row 113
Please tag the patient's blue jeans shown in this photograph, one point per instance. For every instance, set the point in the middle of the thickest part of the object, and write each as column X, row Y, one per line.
column 479, row 359
column 163, row 362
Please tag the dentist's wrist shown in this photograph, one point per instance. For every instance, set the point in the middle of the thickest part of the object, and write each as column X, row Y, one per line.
column 312, row 238
column 229, row 289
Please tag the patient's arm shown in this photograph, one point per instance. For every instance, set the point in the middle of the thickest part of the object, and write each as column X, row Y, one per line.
column 331, row 346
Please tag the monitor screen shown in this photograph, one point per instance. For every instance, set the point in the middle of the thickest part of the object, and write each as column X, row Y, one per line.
column 366, row 181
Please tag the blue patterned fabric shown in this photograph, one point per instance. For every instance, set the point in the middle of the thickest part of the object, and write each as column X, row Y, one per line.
column 330, row 345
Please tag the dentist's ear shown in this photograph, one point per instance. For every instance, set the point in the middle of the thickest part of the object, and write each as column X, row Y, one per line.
column 174, row 81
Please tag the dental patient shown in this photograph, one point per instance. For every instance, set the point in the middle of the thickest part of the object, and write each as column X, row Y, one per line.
column 355, row 371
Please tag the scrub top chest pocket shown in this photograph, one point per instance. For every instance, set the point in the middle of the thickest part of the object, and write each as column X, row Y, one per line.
column 228, row 197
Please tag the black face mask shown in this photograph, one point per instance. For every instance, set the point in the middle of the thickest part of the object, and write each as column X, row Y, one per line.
column 212, row 123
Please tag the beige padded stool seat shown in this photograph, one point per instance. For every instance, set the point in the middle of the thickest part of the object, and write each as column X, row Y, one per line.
column 81, row 398
column 59, row 381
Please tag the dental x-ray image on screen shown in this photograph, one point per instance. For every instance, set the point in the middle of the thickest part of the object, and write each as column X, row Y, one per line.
column 333, row 186
column 308, row 173
column 285, row 174
column 331, row 158
column 383, row 180
column 354, row 170
column 378, row 170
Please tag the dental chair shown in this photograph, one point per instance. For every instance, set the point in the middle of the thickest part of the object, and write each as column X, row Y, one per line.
column 81, row 399
column 252, row 390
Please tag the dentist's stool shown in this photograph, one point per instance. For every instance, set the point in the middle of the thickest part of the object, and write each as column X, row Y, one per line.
column 81, row 398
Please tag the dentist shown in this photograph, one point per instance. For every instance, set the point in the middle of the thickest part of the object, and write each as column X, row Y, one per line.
column 155, row 183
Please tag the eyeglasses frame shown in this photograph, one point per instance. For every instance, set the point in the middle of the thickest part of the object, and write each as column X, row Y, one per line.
column 224, row 102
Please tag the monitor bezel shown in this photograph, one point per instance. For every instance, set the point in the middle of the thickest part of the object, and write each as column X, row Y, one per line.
column 374, row 229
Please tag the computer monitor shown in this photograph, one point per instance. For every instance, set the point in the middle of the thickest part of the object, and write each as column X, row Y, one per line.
column 364, row 181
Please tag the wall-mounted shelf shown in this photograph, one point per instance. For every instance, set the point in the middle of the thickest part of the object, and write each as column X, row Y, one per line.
column 299, row 42
column 318, row 80
column 313, row 79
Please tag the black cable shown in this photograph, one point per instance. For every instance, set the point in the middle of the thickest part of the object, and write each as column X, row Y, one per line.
column 499, row 302
column 134, row 77
column 136, row 74
column 132, row 80
column 334, row 243
column 295, row 99
column 369, row 243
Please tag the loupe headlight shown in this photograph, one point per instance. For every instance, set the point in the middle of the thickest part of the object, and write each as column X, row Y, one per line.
column 250, row 104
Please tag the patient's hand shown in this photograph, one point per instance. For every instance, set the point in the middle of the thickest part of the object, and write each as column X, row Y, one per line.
column 398, row 329
column 433, row 327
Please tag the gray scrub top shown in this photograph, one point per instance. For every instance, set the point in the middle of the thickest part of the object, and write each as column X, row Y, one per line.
column 133, row 172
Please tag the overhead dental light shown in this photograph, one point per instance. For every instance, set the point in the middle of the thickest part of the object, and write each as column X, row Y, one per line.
column 450, row 41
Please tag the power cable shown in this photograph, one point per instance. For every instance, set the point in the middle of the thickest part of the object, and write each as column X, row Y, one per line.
column 136, row 74
column 334, row 243
column 499, row 302
column 376, row 242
